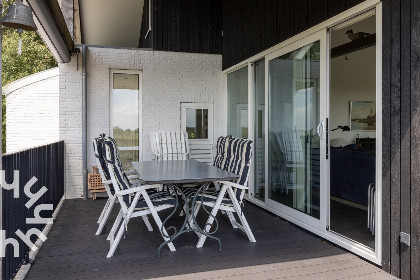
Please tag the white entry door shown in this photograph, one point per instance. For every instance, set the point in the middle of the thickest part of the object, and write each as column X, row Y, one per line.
column 296, row 129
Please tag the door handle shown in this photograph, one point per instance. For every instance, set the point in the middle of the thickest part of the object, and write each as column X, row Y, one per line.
column 320, row 130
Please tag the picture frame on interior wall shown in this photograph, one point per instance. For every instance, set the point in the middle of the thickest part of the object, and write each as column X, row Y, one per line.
column 363, row 115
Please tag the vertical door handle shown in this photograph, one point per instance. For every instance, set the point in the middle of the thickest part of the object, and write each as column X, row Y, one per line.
column 320, row 130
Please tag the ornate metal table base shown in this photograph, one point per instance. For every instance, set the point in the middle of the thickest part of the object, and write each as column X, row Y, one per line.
column 190, row 223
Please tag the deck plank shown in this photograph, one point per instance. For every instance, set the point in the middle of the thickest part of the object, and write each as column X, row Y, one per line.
column 282, row 251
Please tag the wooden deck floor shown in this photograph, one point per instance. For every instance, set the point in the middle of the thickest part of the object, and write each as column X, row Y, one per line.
column 282, row 251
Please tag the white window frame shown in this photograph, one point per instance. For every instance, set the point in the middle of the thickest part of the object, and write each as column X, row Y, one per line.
column 111, row 87
column 209, row 107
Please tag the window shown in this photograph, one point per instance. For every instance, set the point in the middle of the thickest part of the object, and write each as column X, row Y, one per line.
column 197, row 121
column 125, row 114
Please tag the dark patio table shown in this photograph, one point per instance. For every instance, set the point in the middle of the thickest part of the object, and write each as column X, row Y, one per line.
column 176, row 172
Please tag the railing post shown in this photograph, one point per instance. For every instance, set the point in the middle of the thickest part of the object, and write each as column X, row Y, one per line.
column 1, row 136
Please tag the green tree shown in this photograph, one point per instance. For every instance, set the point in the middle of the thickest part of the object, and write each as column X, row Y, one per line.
column 35, row 57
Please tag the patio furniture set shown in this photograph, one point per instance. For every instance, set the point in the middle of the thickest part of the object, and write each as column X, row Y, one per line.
column 173, row 181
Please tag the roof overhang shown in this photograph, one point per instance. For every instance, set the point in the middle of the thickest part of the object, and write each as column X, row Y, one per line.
column 111, row 23
column 53, row 28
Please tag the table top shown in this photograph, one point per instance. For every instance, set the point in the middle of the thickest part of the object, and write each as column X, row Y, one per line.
column 180, row 171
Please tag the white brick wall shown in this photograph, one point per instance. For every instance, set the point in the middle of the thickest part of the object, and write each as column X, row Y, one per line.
column 169, row 78
column 32, row 111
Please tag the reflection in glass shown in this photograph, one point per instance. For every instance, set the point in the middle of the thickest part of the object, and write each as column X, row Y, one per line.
column 197, row 123
column 259, row 144
column 294, row 147
column 237, row 105
column 125, row 116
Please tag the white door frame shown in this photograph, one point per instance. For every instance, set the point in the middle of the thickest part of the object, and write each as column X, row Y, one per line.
column 111, row 86
column 291, row 212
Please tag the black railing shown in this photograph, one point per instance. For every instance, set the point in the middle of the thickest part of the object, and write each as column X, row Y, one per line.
column 46, row 164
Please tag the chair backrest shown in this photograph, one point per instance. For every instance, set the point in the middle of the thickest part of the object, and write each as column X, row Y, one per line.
column 221, row 152
column 99, row 157
column 114, row 165
column 101, row 162
column 170, row 145
column 235, row 156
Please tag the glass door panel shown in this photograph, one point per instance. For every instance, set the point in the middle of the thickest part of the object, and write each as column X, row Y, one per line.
column 259, row 134
column 237, row 103
column 125, row 124
column 293, row 141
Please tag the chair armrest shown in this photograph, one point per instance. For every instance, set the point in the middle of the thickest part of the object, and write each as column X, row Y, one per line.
column 232, row 184
column 132, row 177
column 135, row 189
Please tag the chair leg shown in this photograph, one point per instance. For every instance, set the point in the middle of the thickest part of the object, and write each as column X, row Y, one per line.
column 232, row 219
column 210, row 221
column 164, row 233
column 190, row 220
column 115, row 226
column 158, row 222
column 213, row 214
column 115, row 243
column 103, row 211
column 108, row 210
column 146, row 221
column 241, row 215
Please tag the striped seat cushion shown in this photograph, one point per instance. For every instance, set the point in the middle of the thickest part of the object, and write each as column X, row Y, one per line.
column 98, row 150
column 112, row 157
column 221, row 152
column 239, row 154
column 157, row 198
column 191, row 191
column 212, row 199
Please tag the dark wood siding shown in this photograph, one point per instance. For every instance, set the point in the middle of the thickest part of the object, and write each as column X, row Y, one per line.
column 251, row 27
column 143, row 41
column 193, row 26
column 401, row 137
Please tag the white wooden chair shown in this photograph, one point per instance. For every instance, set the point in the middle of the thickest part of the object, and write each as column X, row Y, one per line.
column 170, row 145
column 201, row 152
column 140, row 205
column 233, row 155
column 106, row 180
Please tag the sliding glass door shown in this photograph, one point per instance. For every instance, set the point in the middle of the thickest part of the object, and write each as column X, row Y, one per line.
column 295, row 140
column 313, row 111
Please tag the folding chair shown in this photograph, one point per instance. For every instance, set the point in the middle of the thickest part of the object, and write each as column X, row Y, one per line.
column 133, row 206
column 233, row 155
column 106, row 180
column 170, row 145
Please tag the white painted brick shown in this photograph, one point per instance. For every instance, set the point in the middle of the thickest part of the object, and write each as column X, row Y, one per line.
column 169, row 78
column 32, row 111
